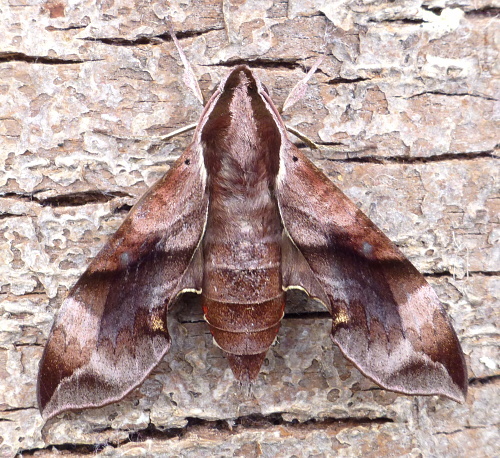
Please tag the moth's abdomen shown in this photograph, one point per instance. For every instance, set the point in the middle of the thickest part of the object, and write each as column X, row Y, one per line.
column 243, row 299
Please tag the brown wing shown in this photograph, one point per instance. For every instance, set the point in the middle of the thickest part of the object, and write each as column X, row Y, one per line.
column 386, row 319
column 111, row 331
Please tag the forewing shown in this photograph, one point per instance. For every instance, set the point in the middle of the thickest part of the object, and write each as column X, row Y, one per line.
column 386, row 318
column 111, row 331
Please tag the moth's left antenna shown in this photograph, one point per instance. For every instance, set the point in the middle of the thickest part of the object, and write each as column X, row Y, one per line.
column 189, row 77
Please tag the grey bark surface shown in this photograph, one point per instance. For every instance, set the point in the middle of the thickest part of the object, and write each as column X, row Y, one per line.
column 405, row 108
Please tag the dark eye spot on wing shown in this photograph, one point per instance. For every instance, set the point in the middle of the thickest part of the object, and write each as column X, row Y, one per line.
column 124, row 259
column 367, row 249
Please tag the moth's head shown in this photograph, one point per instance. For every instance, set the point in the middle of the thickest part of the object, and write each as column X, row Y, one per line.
column 239, row 109
column 241, row 77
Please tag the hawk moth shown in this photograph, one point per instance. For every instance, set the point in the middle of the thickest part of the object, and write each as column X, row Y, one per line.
column 240, row 217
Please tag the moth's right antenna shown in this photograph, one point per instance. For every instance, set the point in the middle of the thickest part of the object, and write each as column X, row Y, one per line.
column 300, row 88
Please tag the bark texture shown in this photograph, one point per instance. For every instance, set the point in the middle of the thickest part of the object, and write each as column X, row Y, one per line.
column 405, row 108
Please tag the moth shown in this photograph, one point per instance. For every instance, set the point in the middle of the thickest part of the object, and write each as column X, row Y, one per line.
column 241, row 217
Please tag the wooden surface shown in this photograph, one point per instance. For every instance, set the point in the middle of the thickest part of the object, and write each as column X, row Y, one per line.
column 405, row 107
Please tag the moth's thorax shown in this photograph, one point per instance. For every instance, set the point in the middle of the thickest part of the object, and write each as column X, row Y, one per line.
column 240, row 139
column 243, row 297
column 241, row 149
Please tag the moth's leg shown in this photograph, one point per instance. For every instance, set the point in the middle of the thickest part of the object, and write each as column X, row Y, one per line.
column 302, row 137
column 179, row 131
column 163, row 138
column 311, row 144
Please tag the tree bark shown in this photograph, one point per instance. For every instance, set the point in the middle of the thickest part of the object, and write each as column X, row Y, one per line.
column 405, row 109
